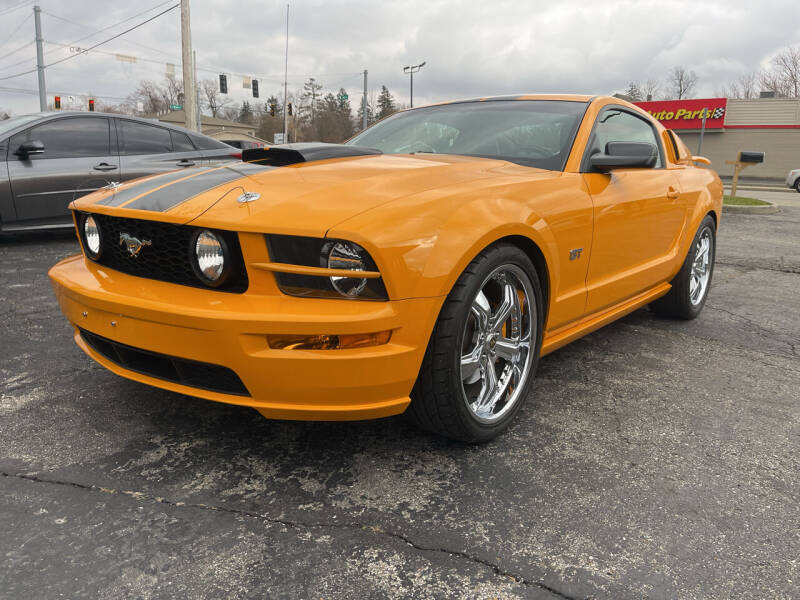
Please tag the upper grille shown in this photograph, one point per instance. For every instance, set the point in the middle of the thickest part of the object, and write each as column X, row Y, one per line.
column 168, row 257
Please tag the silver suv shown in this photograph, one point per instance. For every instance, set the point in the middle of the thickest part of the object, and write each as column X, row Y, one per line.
column 48, row 159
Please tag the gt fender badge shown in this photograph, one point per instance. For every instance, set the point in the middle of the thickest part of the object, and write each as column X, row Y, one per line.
column 133, row 245
column 575, row 253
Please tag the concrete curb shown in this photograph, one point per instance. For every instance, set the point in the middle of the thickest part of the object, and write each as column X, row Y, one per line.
column 767, row 209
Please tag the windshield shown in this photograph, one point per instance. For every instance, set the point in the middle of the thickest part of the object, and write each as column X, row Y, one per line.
column 14, row 122
column 534, row 133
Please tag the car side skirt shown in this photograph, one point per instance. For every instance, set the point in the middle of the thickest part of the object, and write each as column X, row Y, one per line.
column 561, row 337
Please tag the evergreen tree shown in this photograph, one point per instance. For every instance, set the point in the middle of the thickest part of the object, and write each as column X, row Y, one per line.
column 245, row 113
column 386, row 105
column 310, row 98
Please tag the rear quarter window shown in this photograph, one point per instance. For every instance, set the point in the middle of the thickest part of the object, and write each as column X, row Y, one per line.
column 206, row 143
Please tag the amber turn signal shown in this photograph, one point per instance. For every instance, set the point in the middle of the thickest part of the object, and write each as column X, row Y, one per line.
column 328, row 342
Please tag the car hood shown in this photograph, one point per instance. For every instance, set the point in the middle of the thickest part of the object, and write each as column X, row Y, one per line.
column 305, row 198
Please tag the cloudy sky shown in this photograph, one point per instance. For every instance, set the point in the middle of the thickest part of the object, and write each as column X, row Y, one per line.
column 472, row 48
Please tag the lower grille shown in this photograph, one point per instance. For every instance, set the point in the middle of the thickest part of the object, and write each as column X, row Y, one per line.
column 191, row 373
column 168, row 257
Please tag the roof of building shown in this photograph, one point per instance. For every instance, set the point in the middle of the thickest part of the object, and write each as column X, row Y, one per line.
column 179, row 117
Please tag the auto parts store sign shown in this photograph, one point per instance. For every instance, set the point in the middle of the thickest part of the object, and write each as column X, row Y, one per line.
column 688, row 114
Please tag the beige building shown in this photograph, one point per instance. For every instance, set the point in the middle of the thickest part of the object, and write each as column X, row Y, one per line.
column 219, row 129
column 770, row 125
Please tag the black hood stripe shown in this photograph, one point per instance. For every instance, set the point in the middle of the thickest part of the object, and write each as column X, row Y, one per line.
column 129, row 193
column 161, row 200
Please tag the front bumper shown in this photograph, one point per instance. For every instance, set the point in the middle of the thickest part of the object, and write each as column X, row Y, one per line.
column 229, row 330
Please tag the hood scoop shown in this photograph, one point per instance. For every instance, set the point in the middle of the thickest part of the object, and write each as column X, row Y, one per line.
column 290, row 154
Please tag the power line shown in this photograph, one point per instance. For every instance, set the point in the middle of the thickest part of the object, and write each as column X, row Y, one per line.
column 13, row 33
column 96, row 31
column 25, row 45
column 11, row 9
column 96, row 45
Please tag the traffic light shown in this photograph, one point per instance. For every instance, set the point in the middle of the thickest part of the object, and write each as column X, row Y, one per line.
column 290, row 109
column 255, row 88
column 223, row 84
column 273, row 108
column 57, row 103
column 91, row 104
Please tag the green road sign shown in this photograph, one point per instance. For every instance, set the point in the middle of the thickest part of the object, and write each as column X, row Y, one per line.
column 175, row 107
column 343, row 96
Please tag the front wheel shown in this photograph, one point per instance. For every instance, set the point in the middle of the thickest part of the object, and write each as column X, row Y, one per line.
column 797, row 185
column 690, row 286
column 482, row 355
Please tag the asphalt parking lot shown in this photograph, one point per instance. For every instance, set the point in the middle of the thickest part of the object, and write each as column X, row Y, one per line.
column 655, row 459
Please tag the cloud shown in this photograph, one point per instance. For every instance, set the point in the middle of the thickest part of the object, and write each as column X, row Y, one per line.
column 471, row 48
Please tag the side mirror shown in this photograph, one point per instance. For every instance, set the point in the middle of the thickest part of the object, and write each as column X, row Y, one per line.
column 28, row 148
column 625, row 155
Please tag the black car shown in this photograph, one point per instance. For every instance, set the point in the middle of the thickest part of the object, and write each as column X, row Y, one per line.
column 48, row 159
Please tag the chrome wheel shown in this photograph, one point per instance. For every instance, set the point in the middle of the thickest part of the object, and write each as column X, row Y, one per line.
column 701, row 267
column 497, row 343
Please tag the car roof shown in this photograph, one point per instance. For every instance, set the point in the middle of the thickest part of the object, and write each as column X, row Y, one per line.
column 50, row 114
column 561, row 97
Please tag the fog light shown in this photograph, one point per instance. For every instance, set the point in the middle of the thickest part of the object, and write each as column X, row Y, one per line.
column 91, row 234
column 328, row 342
column 210, row 257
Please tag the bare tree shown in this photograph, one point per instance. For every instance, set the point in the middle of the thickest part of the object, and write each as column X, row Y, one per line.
column 150, row 95
column 784, row 76
column 681, row 82
column 172, row 90
column 650, row 89
column 743, row 87
column 211, row 98
column 634, row 92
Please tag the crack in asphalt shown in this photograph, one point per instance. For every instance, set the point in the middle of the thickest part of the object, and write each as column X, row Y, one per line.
column 762, row 330
column 141, row 497
column 790, row 270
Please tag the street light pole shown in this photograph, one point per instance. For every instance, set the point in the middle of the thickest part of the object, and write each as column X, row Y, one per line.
column 411, row 70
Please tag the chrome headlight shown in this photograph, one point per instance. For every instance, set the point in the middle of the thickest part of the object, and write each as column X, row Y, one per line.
column 210, row 254
column 325, row 254
column 92, row 237
column 350, row 257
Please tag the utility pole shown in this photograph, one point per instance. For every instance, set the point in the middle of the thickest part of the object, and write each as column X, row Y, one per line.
column 37, row 19
column 411, row 70
column 285, row 83
column 189, row 90
column 364, row 103
column 197, row 89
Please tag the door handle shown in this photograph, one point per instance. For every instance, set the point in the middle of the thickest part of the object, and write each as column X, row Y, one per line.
column 105, row 167
column 673, row 194
column 185, row 162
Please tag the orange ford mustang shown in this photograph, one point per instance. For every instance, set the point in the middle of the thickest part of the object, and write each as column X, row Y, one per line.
column 424, row 266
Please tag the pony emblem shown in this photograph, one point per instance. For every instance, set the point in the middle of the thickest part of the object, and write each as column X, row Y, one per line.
column 132, row 244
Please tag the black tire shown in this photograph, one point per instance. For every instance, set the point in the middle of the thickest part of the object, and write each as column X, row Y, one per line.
column 438, row 401
column 797, row 185
column 677, row 303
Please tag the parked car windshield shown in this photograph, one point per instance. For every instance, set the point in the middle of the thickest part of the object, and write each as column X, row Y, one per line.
column 535, row 133
column 8, row 124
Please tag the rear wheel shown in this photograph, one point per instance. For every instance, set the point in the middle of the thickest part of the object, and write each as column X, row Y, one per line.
column 797, row 185
column 690, row 286
column 482, row 355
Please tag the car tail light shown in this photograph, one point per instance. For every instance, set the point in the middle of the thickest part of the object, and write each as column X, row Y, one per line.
column 237, row 155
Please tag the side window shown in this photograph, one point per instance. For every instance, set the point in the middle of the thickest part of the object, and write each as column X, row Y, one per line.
column 66, row 138
column 139, row 138
column 181, row 142
column 206, row 143
column 621, row 126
